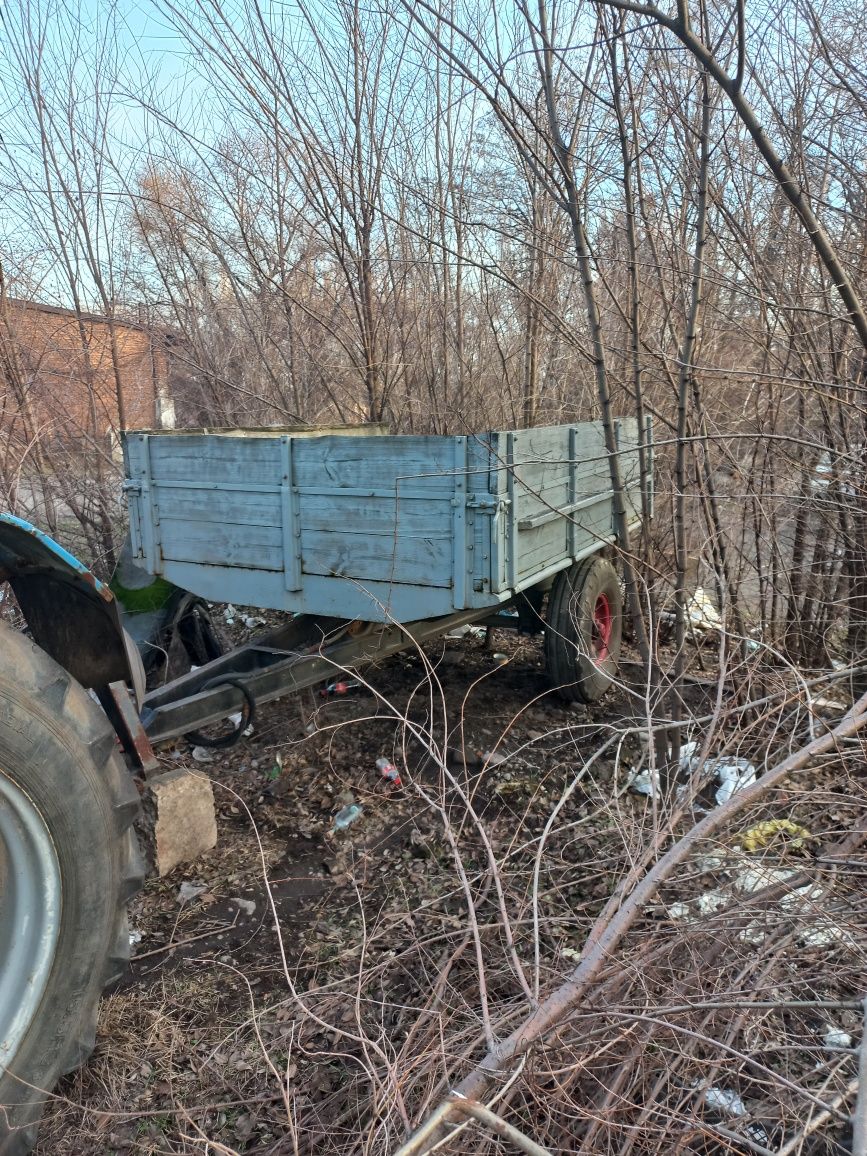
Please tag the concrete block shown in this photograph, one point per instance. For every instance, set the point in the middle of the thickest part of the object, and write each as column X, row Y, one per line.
column 179, row 821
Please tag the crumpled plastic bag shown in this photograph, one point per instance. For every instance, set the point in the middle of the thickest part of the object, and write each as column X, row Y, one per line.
column 733, row 775
column 725, row 1101
column 701, row 613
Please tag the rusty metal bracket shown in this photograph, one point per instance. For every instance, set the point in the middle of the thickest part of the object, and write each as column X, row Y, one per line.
column 117, row 703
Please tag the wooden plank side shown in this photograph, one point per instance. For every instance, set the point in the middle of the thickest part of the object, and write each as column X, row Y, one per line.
column 232, row 507
column 368, row 429
column 216, row 504
column 482, row 559
column 209, row 458
column 541, row 470
column 132, row 454
column 555, row 467
column 481, row 463
column 544, row 499
column 541, row 486
column 541, row 547
column 540, row 457
column 542, row 444
column 593, row 525
column 334, row 512
column 290, row 523
column 339, row 597
column 213, row 544
column 391, row 463
column 630, row 466
column 409, row 560
column 592, row 471
column 486, row 482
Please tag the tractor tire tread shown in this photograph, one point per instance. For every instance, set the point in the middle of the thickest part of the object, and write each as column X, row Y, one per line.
column 66, row 706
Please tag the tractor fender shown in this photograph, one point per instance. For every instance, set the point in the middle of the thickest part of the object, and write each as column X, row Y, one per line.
column 71, row 615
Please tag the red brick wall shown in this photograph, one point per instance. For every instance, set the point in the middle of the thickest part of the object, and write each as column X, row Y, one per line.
column 72, row 375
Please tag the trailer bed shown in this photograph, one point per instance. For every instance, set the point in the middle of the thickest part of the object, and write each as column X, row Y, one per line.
column 375, row 527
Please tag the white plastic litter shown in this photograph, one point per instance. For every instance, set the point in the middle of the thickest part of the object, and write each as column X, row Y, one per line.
column 202, row 755
column 753, row 933
column 467, row 631
column 758, row 1132
column 248, row 906
column 689, row 756
column 836, row 468
column 134, row 937
column 701, row 613
column 712, row 901
column 758, row 877
column 252, row 622
column 803, row 900
column 828, row 703
column 229, row 614
column 236, row 719
column 678, row 911
column 644, row 782
column 836, row 1038
column 733, row 775
column 188, row 891
column 725, row 1101
column 823, row 934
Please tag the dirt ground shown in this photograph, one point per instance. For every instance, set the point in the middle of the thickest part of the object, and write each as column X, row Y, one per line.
column 180, row 1051
column 193, row 1047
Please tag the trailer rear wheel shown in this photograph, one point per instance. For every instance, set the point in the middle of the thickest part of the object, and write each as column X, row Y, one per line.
column 584, row 630
column 68, row 865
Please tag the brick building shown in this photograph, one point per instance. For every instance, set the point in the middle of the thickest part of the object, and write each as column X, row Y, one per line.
column 81, row 377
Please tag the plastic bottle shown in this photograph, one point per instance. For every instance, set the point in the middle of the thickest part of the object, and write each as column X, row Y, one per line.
column 346, row 816
column 389, row 771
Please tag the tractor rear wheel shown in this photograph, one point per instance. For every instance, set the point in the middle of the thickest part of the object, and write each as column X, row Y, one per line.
column 68, row 864
column 584, row 629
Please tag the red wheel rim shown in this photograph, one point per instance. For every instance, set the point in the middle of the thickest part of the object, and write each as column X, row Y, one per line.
column 602, row 625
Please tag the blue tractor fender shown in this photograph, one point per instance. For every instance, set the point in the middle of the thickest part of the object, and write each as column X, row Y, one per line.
column 71, row 615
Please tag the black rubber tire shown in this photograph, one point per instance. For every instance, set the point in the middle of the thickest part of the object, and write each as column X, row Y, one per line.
column 57, row 746
column 574, row 670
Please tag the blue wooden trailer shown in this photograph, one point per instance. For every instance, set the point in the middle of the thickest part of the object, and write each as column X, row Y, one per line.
column 373, row 543
column 377, row 528
column 408, row 535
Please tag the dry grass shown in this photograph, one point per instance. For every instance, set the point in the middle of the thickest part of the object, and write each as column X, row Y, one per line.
column 398, row 956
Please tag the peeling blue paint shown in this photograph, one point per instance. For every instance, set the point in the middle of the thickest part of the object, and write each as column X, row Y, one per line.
column 16, row 546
